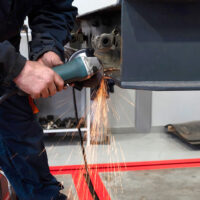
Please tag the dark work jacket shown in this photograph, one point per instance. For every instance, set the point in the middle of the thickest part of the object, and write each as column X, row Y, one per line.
column 50, row 21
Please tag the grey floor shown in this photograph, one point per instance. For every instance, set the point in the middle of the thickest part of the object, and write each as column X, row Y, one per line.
column 167, row 184
column 178, row 184
column 69, row 189
column 124, row 147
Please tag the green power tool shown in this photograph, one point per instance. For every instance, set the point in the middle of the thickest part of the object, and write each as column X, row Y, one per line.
column 79, row 69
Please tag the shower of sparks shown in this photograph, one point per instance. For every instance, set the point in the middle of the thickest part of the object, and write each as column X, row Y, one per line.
column 99, row 114
column 101, row 139
column 100, row 134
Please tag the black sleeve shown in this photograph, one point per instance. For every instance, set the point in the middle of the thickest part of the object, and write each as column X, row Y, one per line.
column 11, row 62
column 51, row 25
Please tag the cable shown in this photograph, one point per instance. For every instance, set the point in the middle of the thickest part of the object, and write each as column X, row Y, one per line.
column 87, row 175
column 79, row 131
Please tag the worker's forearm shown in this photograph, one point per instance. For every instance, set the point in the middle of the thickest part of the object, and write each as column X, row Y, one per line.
column 51, row 26
column 11, row 62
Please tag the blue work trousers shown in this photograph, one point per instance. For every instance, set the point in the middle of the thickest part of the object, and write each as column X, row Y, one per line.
column 22, row 153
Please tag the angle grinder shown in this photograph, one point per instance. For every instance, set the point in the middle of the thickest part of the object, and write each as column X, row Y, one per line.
column 78, row 69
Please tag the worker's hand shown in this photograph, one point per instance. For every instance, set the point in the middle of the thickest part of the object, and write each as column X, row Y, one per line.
column 39, row 80
column 50, row 59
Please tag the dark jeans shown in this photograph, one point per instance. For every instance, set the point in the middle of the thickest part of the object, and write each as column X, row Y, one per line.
column 22, row 153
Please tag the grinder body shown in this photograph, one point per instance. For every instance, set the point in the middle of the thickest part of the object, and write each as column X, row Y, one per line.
column 79, row 69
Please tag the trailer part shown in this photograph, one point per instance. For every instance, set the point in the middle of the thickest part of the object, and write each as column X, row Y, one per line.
column 160, row 42
column 107, row 48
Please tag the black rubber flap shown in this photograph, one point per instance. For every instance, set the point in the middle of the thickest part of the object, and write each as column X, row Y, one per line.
column 189, row 132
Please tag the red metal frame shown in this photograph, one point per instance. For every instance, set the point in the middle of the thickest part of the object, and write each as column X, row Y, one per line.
column 77, row 172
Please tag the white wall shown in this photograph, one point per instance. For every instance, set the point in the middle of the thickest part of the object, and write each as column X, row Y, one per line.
column 175, row 107
column 85, row 6
column 122, row 108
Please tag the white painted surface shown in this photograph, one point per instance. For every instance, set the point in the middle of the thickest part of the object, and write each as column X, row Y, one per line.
column 90, row 5
column 175, row 107
column 122, row 108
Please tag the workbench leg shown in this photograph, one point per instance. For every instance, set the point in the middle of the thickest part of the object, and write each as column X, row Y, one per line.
column 143, row 111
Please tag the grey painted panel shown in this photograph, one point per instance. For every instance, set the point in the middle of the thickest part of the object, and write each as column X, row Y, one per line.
column 161, row 41
column 143, row 111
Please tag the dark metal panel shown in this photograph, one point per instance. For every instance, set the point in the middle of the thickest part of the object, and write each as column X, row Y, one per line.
column 161, row 45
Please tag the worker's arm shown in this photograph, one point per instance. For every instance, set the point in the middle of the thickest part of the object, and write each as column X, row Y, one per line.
column 51, row 25
column 38, row 80
column 33, row 78
column 11, row 62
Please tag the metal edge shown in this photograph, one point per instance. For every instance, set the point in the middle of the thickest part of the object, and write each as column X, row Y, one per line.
column 161, row 85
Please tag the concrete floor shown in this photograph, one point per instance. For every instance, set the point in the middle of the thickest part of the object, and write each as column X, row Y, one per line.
column 177, row 184
column 69, row 189
column 168, row 184
column 124, row 147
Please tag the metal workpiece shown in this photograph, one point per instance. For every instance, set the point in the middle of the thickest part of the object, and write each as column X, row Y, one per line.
column 92, row 65
column 159, row 43
column 102, row 31
column 106, row 41
column 107, row 48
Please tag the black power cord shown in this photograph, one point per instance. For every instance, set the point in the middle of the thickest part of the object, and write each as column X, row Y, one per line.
column 79, row 131
column 87, row 175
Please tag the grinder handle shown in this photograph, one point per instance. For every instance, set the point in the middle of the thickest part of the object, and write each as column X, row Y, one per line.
column 72, row 71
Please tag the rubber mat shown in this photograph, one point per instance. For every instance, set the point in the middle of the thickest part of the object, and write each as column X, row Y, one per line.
column 188, row 132
column 157, row 180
